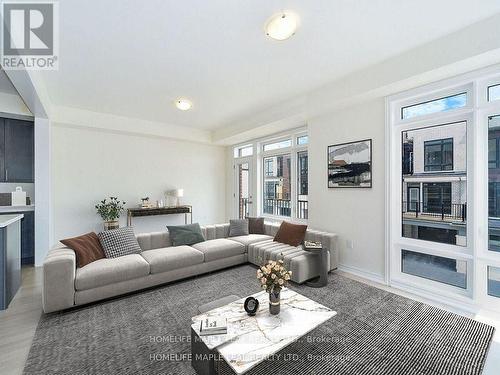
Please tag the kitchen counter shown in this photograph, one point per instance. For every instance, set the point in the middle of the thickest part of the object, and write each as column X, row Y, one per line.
column 7, row 209
column 9, row 219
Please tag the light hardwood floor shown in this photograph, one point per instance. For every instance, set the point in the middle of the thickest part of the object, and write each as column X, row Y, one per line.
column 18, row 323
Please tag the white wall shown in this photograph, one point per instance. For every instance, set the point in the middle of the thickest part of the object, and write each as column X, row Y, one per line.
column 354, row 214
column 13, row 104
column 90, row 164
column 43, row 210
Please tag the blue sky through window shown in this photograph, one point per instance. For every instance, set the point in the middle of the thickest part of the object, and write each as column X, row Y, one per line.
column 434, row 106
column 278, row 145
column 494, row 93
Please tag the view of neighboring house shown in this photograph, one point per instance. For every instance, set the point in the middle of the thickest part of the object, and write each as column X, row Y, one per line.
column 277, row 186
column 494, row 182
column 435, row 183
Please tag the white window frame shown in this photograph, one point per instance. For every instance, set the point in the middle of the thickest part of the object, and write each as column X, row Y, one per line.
column 240, row 148
column 257, row 170
column 476, row 253
column 235, row 186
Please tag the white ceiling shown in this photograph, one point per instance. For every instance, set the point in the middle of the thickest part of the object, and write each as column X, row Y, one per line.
column 134, row 58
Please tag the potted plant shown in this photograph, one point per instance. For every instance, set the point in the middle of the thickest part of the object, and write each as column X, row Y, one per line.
column 273, row 276
column 110, row 212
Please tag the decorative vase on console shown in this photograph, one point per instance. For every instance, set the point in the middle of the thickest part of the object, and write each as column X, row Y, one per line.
column 273, row 276
column 110, row 212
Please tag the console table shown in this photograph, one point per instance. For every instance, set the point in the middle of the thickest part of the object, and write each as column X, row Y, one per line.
column 156, row 211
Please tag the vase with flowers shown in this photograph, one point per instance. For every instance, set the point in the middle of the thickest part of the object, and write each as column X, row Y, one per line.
column 273, row 276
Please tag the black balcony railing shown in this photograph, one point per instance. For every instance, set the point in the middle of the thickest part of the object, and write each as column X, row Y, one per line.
column 283, row 207
column 278, row 207
column 444, row 211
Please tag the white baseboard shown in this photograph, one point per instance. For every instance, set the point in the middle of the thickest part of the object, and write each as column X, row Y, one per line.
column 372, row 276
column 438, row 300
column 413, row 293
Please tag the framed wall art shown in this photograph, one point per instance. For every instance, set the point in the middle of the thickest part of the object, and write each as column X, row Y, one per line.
column 350, row 165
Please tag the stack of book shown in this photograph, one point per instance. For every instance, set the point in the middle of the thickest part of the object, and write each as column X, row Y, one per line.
column 312, row 245
column 213, row 326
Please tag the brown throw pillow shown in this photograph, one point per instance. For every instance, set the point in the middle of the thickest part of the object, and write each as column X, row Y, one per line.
column 255, row 225
column 87, row 248
column 291, row 234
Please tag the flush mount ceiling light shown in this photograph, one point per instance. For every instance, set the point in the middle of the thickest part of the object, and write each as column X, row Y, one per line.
column 282, row 26
column 183, row 104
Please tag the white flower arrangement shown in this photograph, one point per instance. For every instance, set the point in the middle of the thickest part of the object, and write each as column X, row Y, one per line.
column 273, row 276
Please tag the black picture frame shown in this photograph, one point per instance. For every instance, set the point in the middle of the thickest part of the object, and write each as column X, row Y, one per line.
column 360, row 175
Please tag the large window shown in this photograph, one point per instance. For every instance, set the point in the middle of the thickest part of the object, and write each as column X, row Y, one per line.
column 285, row 183
column 275, row 169
column 277, row 185
column 444, row 190
column 438, row 155
column 434, row 206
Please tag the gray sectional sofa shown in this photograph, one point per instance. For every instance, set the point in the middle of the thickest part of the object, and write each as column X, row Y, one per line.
column 65, row 286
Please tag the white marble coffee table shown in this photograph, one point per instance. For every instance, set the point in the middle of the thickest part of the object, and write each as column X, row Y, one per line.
column 252, row 339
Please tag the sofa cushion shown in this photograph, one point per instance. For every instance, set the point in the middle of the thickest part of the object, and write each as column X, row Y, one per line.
column 238, row 227
column 119, row 242
column 172, row 258
column 251, row 238
column 154, row 240
column 87, row 248
column 111, row 270
column 291, row 234
column 256, row 225
column 185, row 234
column 219, row 248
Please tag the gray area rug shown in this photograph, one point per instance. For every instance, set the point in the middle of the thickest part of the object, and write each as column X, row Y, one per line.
column 374, row 332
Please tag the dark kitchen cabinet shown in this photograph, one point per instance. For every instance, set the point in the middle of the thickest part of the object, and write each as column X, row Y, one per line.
column 28, row 238
column 17, row 151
